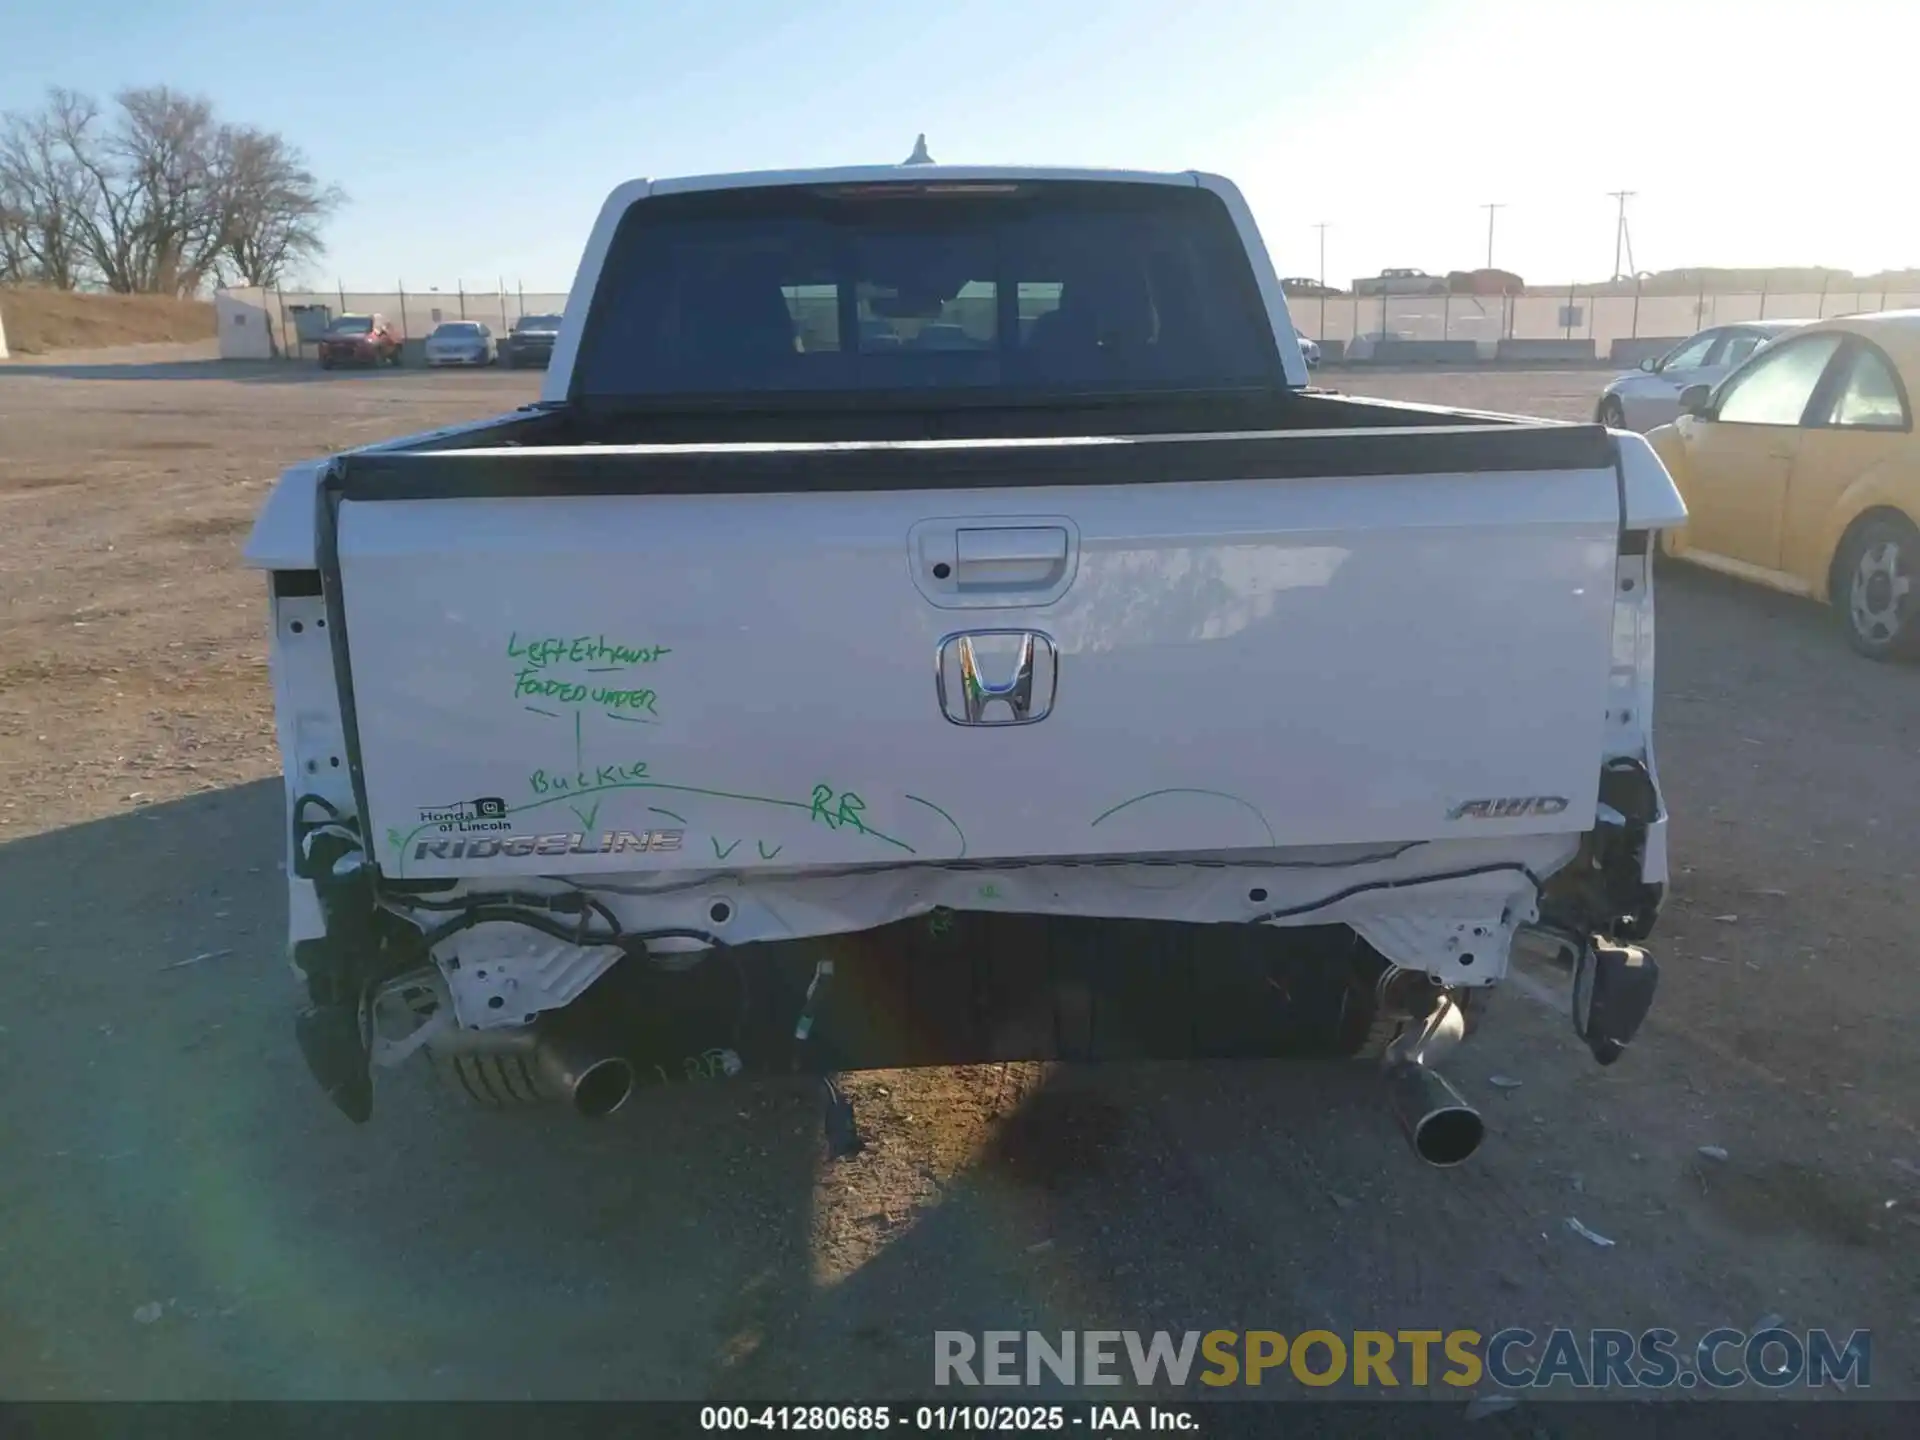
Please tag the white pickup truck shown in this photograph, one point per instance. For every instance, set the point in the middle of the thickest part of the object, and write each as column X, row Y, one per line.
column 929, row 618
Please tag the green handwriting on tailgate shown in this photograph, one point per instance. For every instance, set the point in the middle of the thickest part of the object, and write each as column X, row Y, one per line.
column 596, row 651
column 584, row 670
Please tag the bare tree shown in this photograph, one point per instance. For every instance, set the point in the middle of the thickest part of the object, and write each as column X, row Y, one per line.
column 163, row 156
column 17, row 263
column 16, row 266
column 161, row 197
column 44, row 195
column 272, row 206
column 104, row 221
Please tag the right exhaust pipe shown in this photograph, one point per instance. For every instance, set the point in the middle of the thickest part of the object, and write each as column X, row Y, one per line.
column 1440, row 1125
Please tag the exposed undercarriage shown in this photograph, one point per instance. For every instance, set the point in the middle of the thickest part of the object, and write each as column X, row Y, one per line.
column 556, row 991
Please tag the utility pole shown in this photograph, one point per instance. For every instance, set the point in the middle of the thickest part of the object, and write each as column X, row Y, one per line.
column 1490, row 209
column 1620, row 226
column 1322, row 228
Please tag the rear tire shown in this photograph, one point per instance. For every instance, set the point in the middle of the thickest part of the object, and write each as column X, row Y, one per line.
column 1611, row 413
column 1875, row 588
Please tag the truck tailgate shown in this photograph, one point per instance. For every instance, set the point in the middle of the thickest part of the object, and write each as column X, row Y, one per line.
column 819, row 656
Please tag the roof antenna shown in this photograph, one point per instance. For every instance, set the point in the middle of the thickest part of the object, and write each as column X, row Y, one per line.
column 919, row 155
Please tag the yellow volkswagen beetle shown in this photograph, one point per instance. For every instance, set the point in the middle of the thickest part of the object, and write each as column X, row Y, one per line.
column 1801, row 471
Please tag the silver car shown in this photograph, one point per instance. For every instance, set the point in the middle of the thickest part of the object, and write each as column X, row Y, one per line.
column 1650, row 396
column 462, row 342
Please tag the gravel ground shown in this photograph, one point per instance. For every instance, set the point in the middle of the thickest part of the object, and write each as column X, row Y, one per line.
column 184, row 1215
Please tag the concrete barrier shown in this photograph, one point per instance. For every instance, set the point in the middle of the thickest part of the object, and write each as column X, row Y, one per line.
column 1422, row 352
column 1534, row 351
column 1332, row 352
column 1628, row 353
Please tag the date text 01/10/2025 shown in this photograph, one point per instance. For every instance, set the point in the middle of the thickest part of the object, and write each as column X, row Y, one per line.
column 954, row 1419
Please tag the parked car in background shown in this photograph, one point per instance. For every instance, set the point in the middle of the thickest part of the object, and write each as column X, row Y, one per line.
column 1801, row 472
column 1401, row 282
column 1650, row 396
column 462, row 342
column 1485, row 282
column 359, row 340
column 1297, row 287
column 1309, row 350
column 530, row 341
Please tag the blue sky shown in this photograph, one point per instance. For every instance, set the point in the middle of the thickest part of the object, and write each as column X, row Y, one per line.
column 477, row 139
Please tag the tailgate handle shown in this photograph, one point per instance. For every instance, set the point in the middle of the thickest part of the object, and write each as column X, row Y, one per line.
column 993, row 562
column 1008, row 558
column 1037, row 545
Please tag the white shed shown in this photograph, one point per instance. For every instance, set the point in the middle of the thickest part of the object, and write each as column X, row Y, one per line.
column 249, row 324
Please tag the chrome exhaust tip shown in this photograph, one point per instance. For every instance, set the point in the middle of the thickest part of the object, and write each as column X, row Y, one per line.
column 602, row 1088
column 594, row 1084
column 1443, row 1128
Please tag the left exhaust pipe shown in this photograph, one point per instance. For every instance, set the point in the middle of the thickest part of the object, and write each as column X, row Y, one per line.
column 1440, row 1125
column 534, row 1064
column 595, row 1084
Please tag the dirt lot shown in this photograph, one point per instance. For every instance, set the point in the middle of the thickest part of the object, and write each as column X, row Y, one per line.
column 185, row 1216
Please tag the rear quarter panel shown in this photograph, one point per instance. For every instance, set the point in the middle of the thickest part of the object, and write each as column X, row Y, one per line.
column 1667, row 443
column 1817, row 524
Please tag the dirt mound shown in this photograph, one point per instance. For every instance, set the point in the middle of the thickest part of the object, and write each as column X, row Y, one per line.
column 37, row 321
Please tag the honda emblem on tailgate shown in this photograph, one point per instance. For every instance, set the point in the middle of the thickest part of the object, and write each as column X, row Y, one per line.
column 997, row 677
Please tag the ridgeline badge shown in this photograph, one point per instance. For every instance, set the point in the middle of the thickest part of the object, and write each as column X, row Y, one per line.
column 609, row 842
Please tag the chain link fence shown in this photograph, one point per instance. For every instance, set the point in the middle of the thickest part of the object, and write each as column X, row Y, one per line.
column 301, row 314
column 1356, row 322
column 1621, row 325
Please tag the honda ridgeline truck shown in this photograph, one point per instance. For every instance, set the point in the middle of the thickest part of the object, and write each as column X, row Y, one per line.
column 929, row 618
